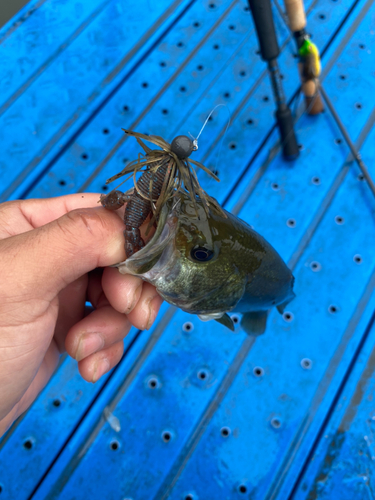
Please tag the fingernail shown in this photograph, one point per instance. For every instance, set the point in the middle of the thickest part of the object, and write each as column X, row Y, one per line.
column 101, row 367
column 135, row 298
column 152, row 312
column 88, row 344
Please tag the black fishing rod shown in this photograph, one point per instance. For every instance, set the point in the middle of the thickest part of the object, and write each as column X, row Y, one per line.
column 269, row 48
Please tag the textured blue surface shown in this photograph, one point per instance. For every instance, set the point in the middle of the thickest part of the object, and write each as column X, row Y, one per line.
column 75, row 72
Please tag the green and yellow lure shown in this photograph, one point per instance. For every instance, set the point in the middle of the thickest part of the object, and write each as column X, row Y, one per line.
column 310, row 58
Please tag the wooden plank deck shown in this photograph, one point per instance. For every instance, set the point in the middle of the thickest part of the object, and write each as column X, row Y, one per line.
column 73, row 74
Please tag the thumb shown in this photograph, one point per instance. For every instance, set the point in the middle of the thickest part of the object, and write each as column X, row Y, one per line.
column 45, row 260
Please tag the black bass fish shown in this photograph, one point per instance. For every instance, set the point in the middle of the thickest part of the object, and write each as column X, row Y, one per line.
column 210, row 263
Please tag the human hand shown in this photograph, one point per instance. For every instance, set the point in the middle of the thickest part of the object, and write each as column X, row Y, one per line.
column 51, row 254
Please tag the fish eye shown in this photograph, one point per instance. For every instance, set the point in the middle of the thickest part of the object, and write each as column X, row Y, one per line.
column 201, row 254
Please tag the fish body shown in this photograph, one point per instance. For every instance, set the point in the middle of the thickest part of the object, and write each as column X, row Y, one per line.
column 210, row 263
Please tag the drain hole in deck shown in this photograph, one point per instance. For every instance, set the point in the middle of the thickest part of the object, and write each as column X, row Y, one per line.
column 306, row 363
column 202, row 374
column 196, row 24
column 338, row 141
column 232, row 146
column 188, row 326
column 246, row 9
column 360, row 177
column 250, row 121
column 153, row 383
column 56, row 402
column 105, row 188
column 333, row 309
column 339, row 220
column 1, row 488
column 28, row 444
column 322, row 16
column 288, row 316
column 200, row 67
column 164, row 111
column 358, row 259
column 125, row 108
column 242, row 73
column 291, row 223
column 266, row 98
column 216, row 172
column 105, row 131
column 227, row 95
column 258, row 371
column 62, row 183
column 342, row 77
column 242, row 489
column 315, row 266
column 316, row 181
column 358, row 105
column 275, row 186
column 189, row 497
column 362, row 45
column 276, row 423
column 225, row 431
column 114, row 445
column 232, row 27
column 212, row 6
column 235, row 319
column 84, row 156
column 180, row 44
column 145, row 85
column 216, row 46
column 166, row 436
column 163, row 64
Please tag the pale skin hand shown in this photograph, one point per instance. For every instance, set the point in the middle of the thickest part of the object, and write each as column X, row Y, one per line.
column 50, row 254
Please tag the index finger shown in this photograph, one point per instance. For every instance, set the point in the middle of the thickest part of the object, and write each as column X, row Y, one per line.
column 39, row 212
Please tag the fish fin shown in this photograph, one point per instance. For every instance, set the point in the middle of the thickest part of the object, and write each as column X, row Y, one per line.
column 254, row 323
column 281, row 307
column 221, row 318
column 226, row 321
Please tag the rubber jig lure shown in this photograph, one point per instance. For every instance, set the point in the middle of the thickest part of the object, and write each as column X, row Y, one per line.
column 165, row 172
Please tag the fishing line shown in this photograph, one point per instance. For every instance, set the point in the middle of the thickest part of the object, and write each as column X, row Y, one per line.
column 281, row 12
column 353, row 149
column 195, row 140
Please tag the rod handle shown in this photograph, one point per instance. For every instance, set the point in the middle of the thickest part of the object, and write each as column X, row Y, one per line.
column 296, row 14
column 314, row 103
column 288, row 138
column 262, row 14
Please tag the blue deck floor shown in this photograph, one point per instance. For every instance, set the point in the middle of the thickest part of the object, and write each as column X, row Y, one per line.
column 72, row 74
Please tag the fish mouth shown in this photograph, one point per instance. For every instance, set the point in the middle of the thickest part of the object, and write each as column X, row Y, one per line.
column 153, row 257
